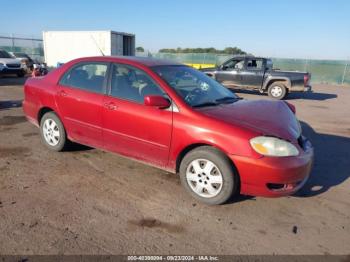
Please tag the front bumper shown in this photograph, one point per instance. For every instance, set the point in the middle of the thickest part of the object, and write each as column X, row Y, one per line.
column 274, row 176
column 14, row 71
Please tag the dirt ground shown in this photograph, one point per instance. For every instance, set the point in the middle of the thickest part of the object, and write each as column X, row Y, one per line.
column 87, row 201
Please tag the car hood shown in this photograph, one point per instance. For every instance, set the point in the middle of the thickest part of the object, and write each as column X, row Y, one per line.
column 271, row 118
column 9, row 61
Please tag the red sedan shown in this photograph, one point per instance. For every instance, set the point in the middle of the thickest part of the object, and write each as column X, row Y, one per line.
column 176, row 118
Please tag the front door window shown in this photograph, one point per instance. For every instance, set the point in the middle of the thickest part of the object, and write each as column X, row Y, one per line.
column 130, row 83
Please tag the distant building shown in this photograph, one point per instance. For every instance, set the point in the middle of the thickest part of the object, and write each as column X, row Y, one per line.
column 63, row 46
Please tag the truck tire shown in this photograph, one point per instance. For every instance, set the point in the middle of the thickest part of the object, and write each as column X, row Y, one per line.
column 208, row 175
column 277, row 90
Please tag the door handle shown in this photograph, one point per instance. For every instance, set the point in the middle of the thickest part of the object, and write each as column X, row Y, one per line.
column 62, row 93
column 111, row 106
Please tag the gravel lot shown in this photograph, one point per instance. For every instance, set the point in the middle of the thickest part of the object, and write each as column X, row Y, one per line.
column 87, row 201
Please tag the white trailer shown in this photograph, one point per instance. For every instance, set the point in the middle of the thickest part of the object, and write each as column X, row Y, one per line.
column 63, row 46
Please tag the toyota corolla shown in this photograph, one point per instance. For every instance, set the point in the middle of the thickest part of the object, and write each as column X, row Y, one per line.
column 176, row 118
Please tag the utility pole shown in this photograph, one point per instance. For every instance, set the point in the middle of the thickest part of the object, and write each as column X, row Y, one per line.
column 13, row 43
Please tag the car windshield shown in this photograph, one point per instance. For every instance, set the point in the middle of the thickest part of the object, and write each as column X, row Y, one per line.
column 20, row 54
column 195, row 87
column 4, row 54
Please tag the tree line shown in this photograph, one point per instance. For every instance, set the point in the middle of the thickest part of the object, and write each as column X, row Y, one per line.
column 227, row 50
column 212, row 50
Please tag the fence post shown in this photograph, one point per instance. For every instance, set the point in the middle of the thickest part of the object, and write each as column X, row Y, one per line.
column 344, row 73
column 13, row 43
column 305, row 65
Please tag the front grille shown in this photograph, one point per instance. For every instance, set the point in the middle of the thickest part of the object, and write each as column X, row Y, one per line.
column 13, row 65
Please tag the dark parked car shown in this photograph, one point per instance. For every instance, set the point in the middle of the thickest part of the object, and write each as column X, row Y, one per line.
column 176, row 118
column 24, row 58
column 257, row 73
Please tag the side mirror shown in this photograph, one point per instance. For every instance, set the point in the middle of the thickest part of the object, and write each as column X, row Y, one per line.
column 156, row 101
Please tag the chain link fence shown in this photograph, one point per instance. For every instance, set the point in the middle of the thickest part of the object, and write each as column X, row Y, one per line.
column 29, row 45
column 323, row 71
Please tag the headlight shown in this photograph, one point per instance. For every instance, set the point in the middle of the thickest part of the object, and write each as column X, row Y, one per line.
column 272, row 146
column 2, row 66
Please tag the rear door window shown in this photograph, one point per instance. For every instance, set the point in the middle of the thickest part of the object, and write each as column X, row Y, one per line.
column 88, row 76
column 254, row 64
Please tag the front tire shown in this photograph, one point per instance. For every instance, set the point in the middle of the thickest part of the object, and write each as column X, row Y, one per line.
column 208, row 175
column 52, row 132
column 277, row 90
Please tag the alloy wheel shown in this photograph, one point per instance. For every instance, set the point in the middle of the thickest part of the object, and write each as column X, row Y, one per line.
column 204, row 178
column 51, row 132
column 276, row 91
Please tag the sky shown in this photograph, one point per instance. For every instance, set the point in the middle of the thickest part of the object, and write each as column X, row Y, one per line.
column 310, row 29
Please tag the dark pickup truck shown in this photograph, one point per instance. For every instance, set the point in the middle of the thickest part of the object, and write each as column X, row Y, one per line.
column 257, row 73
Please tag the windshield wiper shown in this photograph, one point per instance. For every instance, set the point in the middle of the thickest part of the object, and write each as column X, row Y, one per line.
column 229, row 99
column 206, row 104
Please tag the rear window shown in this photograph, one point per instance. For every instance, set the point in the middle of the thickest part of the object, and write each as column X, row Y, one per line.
column 269, row 64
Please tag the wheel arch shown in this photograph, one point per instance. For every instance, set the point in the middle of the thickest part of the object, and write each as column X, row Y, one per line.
column 272, row 80
column 191, row 147
column 43, row 111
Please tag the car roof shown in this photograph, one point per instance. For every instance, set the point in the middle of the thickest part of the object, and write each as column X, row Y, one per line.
column 248, row 56
column 146, row 61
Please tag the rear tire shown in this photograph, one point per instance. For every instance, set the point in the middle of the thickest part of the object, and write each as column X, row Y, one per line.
column 208, row 175
column 277, row 90
column 52, row 132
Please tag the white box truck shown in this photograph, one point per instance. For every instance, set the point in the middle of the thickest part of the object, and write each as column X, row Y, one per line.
column 63, row 46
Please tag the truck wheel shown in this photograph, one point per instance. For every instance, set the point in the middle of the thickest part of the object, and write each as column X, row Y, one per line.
column 208, row 175
column 277, row 90
column 52, row 132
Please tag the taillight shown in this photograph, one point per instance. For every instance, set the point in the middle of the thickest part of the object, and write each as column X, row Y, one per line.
column 291, row 107
column 306, row 79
